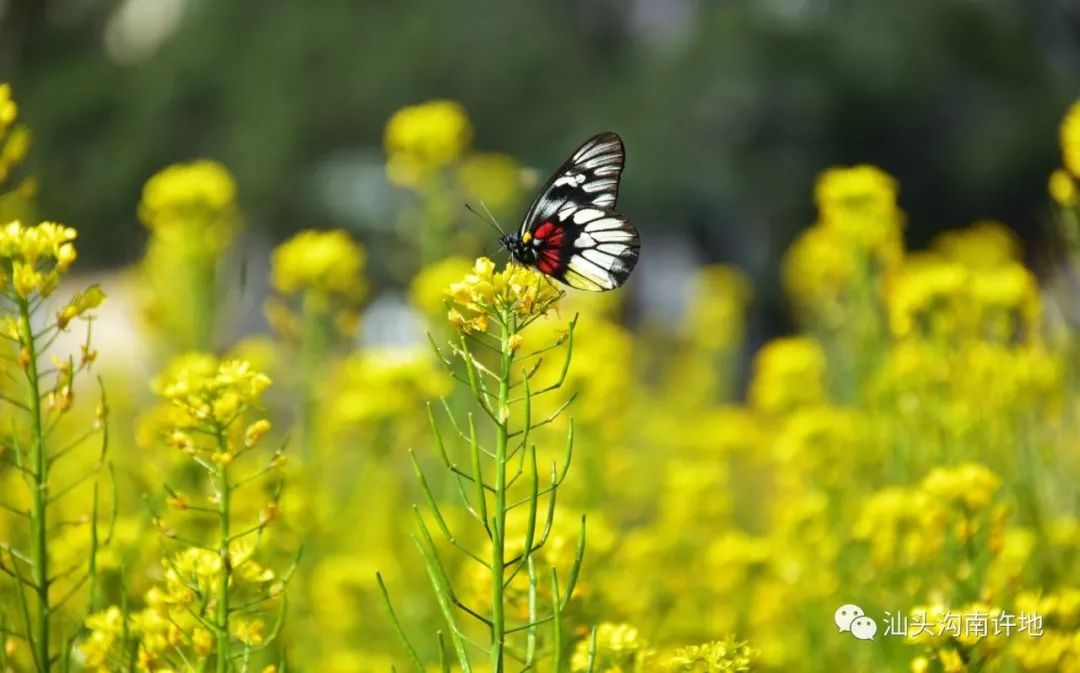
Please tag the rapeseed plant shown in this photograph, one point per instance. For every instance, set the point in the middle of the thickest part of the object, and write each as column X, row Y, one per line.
column 45, row 575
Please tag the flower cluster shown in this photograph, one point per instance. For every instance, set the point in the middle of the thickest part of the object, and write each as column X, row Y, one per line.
column 514, row 293
column 198, row 195
column 423, row 138
column 14, row 139
column 33, row 259
column 209, row 394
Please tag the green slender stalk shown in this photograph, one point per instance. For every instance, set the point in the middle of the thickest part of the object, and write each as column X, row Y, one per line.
column 498, row 547
column 39, row 466
column 223, row 651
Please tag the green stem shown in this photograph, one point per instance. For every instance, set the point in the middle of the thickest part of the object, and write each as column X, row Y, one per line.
column 498, row 558
column 223, row 651
column 313, row 345
column 39, row 556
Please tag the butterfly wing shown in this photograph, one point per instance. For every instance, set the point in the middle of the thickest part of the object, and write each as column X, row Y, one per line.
column 590, row 176
column 588, row 248
column 578, row 237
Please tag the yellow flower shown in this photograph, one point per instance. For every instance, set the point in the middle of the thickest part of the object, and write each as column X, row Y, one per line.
column 9, row 110
column 380, row 385
column 983, row 245
column 428, row 291
column 207, row 390
column 1062, row 188
column 80, row 304
column 720, row 298
column 619, row 649
column 515, row 292
column 925, row 286
column 1070, row 139
column 788, row 373
column 970, row 485
column 818, row 269
column 192, row 199
column 718, row 656
column 491, row 178
column 327, row 262
column 860, row 203
column 420, row 139
column 106, row 628
column 35, row 257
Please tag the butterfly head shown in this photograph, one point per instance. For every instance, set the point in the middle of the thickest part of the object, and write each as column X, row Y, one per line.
column 519, row 248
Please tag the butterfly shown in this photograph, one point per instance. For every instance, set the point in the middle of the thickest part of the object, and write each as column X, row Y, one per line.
column 571, row 231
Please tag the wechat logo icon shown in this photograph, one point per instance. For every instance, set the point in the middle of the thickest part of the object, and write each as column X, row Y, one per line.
column 852, row 619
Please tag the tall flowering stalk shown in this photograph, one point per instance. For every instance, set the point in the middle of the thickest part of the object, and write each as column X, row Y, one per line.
column 317, row 277
column 32, row 262
column 190, row 211
column 491, row 310
column 210, row 613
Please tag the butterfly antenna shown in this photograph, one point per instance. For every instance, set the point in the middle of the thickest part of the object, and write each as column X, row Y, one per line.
column 484, row 206
column 490, row 220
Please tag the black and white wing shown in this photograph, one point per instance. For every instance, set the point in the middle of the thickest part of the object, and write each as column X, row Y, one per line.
column 589, row 177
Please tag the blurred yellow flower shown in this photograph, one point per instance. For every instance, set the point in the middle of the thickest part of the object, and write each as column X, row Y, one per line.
column 715, row 317
column 428, row 291
column 983, row 245
column 327, row 262
column 619, row 649
column 788, row 373
column 718, row 656
column 9, row 110
column 14, row 140
column 969, row 485
column 860, row 203
column 206, row 390
column 420, row 139
column 929, row 288
column 200, row 194
column 1062, row 188
column 1070, row 139
column 379, row 385
column 491, row 178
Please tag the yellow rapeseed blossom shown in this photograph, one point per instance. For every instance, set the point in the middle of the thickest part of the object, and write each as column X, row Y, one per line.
column 9, row 109
column 491, row 178
column 718, row 656
column 818, row 269
column 926, row 289
column 326, row 262
column 106, row 628
column 208, row 391
column 516, row 292
column 715, row 318
column 1070, row 139
column 983, row 245
column 381, row 385
column 192, row 199
column 428, row 291
column 860, row 202
column 1062, row 189
column 969, row 485
column 32, row 259
column 14, row 140
column 788, row 373
column 619, row 649
column 420, row 139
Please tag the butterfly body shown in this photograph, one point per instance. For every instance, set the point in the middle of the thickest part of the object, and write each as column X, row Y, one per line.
column 572, row 232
